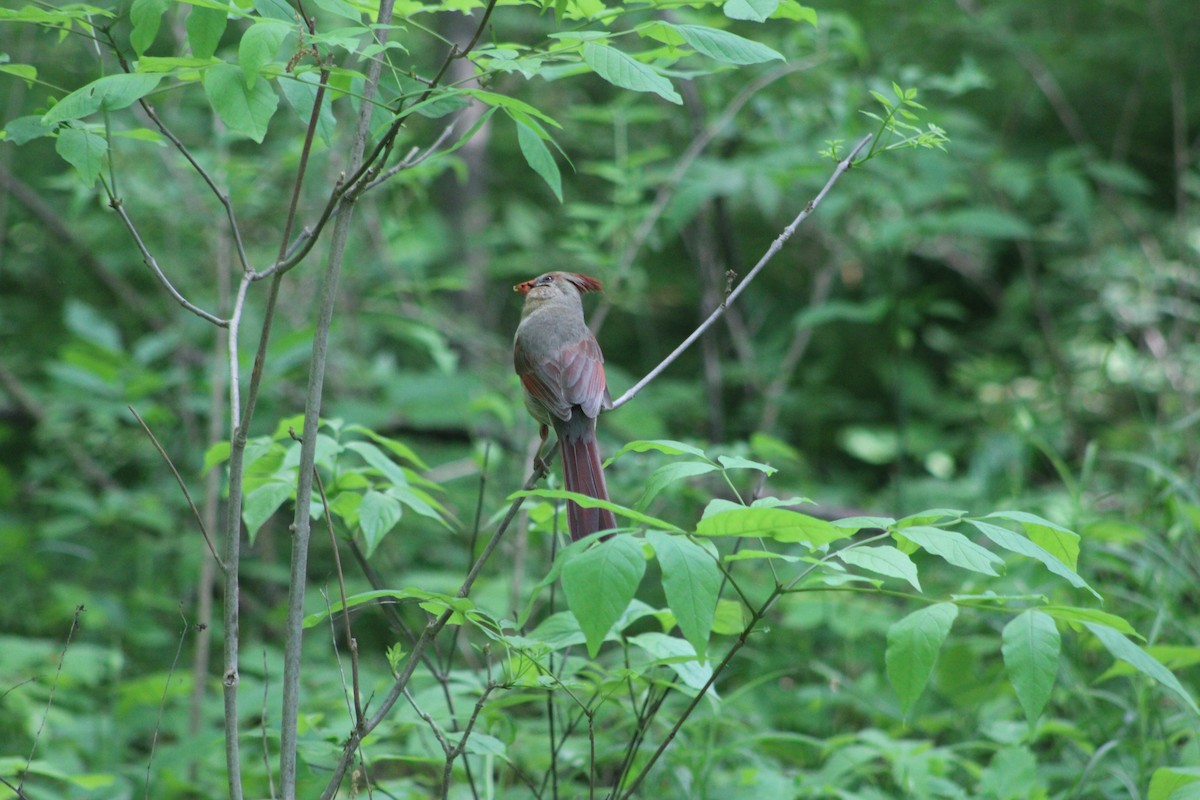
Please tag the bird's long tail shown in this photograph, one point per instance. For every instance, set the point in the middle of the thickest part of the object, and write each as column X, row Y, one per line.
column 582, row 474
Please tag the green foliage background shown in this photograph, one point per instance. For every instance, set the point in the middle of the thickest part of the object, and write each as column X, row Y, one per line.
column 1012, row 322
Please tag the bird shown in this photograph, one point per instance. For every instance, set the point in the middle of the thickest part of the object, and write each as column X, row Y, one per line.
column 561, row 369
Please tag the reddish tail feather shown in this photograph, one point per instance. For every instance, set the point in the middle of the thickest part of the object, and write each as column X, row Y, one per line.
column 582, row 474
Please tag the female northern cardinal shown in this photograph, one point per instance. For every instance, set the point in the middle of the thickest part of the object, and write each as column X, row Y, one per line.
column 562, row 370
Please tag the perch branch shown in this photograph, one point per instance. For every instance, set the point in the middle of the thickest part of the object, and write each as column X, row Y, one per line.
column 775, row 247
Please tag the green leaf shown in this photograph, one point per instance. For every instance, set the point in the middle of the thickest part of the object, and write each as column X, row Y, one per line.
column 497, row 100
column 737, row 462
column 146, row 15
column 1030, row 646
column 621, row 69
column 1056, row 540
column 26, row 72
column 726, row 47
column 912, row 648
column 460, row 605
column 301, row 93
column 377, row 514
column 599, row 584
column 667, row 474
column 263, row 502
column 590, row 502
column 1016, row 543
column 205, row 27
column 218, row 453
column 1123, row 649
column 1081, row 615
column 112, row 92
column 676, row 654
column 1167, row 781
column 667, row 446
column 883, row 560
column 392, row 471
column 691, row 581
column 397, row 447
column 954, row 548
column 244, row 109
column 26, row 129
column 538, row 156
column 259, row 46
column 753, row 10
column 1173, row 657
column 779, row 524
column 83, row 150
column 730, row 618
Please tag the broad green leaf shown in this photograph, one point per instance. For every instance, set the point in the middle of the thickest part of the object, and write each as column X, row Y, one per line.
column 218, row 453
column 146, row 16
column 726, row 47
column 954, row 548
column 667, row 446
column 737, row 462
column 397, row 447
column 590, row 502
column 112, row 92
column 459, row 605
column 26, row 72
column 1030, row 646
column 912, row 648
column 753, row 10
column 1173, row 657
column 1168, row 783
column 691, row 581
column 759, row 555
column 559, row 631
column 676, row 654
column 377, row 514
column 930, row 515
column 261, row 503
column 1056, row 540
column 670, row 473
column 1081, row 615
column 730, row 618
column 883, row 560
column 599, row 584
column 625, row 71
column 779, row 524
column 83, row 150
column 1016, row 543
column 301, row 93
column 258, row 47
column 205, row 27
column 790, row 9
column 26, row 129
column 275, row 9
column 539, row 158
column 392, row 471
column 1123, row 649
column 245, row 110
column 497, row 100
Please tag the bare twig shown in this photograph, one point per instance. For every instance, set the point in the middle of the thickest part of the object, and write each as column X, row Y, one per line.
column 266, row 745
column 775, row 247
column 301, row 528
column 118, row 205
column 183, row 486
column 37, row 736
column 162, row 703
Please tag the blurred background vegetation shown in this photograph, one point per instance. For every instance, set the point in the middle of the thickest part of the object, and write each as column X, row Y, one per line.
column 1011, row 323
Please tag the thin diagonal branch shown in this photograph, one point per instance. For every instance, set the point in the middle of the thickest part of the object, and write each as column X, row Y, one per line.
column 183, row 486
column 775, row 247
